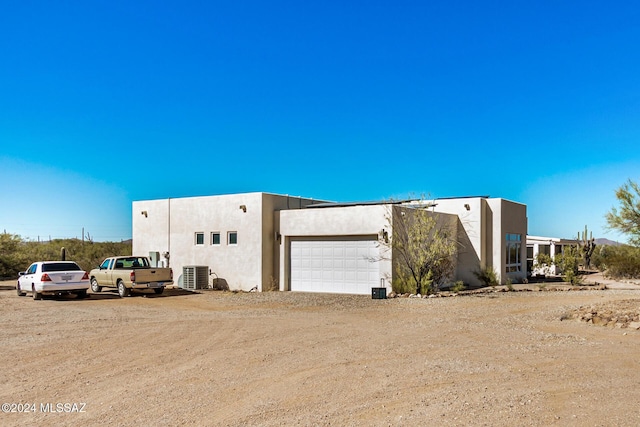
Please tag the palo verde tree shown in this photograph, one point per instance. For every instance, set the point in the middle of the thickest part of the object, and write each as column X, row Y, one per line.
column 423, row 248
column 626, row 218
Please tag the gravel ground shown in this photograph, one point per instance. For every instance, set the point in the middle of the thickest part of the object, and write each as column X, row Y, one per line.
column 282, row 359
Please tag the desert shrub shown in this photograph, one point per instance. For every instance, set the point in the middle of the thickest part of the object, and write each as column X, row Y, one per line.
column 406, row 283
column 569, row 262
column 17, row 254
column 458, row 286
column 543, row 262
column 620, row 262
column 509, row 283
column 598, row 257
column 487, row 275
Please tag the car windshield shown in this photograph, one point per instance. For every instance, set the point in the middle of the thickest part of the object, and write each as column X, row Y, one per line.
column 60, row 266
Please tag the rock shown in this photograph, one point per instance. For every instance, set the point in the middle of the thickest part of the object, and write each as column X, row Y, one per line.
column 634, row 325
column 598, row 320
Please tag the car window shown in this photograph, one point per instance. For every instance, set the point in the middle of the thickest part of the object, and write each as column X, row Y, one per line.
column 105, row 263
column 60, row 266
column 134, row 262
column 32, row 269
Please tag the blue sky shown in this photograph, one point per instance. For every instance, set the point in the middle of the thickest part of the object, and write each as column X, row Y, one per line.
column 107, row 102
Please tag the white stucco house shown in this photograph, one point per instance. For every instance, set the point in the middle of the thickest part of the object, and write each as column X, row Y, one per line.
column 267, row 241
column 550, row 246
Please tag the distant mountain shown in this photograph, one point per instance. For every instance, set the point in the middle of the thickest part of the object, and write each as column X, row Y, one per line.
column 602, row 242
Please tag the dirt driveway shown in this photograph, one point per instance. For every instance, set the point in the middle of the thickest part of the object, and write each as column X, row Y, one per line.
column 276, row 359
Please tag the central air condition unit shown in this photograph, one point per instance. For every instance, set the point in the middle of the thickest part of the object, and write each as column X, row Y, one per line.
column 195, row 277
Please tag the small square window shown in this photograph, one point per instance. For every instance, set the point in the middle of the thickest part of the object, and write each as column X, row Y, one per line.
column 233, row 238
column 199, row 238
column 215, row 238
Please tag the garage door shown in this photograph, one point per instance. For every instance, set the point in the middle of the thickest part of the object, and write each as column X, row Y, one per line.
column 334, row 266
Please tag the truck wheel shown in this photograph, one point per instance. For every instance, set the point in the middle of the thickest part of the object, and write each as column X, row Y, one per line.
column 158, row 291
column 123, row 291
column 94, row 286
column 36, row 295
column 19, row 291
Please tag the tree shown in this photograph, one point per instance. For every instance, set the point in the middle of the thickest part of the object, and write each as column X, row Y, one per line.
column 569, row 263
column 626, row 218
column 543, row 262
column 17, row 254
column 423, row 249
column 10, row 256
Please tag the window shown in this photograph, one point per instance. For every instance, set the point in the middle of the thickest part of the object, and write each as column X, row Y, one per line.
column 513, row 261
column 133, row 262
column 233, row 238
column 60, row 266
column 199, row 238
column 215, row 238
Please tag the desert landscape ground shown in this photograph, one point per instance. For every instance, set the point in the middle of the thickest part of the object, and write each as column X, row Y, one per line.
column 280, row 358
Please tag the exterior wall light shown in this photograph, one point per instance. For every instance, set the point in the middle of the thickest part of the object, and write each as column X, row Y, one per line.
column 467, row 207
column 144, row 213
column 243, row 207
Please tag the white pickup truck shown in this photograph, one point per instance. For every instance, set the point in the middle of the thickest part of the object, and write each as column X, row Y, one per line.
column 129, row 272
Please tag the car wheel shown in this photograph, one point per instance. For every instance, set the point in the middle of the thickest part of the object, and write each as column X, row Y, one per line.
column 158, row 291
column 82, row 294
column 123, row 291
column 19, row 291
column 36, row 295
column 94, row 286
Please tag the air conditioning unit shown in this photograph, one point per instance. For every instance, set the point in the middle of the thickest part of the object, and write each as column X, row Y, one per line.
column 195, row 277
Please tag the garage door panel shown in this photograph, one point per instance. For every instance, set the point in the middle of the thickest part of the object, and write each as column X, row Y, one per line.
column 334, row 266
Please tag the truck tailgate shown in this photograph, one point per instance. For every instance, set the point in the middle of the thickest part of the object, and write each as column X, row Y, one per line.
column 146, row 275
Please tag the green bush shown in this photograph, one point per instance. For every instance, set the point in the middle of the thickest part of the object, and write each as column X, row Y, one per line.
column 509, row 283
column 487, row 275
column 17, row 254
column 458, row 286
column 619, row 262
column 543, row 262
column 569, row 263
column 404, row 284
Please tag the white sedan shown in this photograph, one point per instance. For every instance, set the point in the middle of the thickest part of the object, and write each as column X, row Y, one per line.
column 53, row 278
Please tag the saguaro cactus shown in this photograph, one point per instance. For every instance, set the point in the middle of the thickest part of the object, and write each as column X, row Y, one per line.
column 587, row 246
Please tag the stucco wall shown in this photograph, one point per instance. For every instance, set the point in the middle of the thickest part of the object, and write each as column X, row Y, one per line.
column 485, row 223
column 272, row 204
column 171, row 224
column 238, row 266
column 472, row 234
column 328, row 223
column 150, row 227
column 267, row 223
column 447, row 224
column 508, row 217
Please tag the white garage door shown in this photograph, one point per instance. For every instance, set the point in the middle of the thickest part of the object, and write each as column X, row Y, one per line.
column 334, row 266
